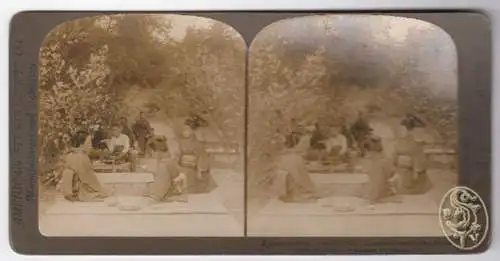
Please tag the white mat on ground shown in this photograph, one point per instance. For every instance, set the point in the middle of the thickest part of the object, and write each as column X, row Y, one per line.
column 197, row 204
column 411, row 204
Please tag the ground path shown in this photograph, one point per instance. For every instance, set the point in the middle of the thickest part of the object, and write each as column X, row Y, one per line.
column 273, row 219
column 218, row 213
column 415, row 215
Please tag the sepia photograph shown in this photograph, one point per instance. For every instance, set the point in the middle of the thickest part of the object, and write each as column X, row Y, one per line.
column 243, row 133
column 141, row 128
column 352, row 127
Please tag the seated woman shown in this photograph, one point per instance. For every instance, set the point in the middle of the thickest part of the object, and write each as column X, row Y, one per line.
column 169, row 184
column 317, row 151
column 379, row 168
column 79, row 181
column 380, row 172
column 194, row 163
column 410, row 161
column 195, row 121
column 294, row 132
column 304, row 141
column 360, row 130
column 336, row 145
column 292, row 182
column 99, row 145
column 119, row 149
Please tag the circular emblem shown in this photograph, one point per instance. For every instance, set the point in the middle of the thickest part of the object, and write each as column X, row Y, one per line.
column 463, row 218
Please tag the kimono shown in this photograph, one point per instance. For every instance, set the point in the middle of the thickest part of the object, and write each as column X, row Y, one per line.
column 292, row 182
column 142, row 131
column 411, row 122
column 380, row 170
column 193, row 162
column 195, row 122
column 410, row 162
column 79, row 181
column 336, row 148
column 158, row 143
column 167, row 185
column 317, row 151
column 130, row 134
column 98, row 140
column 360, row 129
column 316, row 140
column 347, row 134
column 293, row 138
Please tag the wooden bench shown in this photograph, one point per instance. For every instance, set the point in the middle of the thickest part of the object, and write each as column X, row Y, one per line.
column 440, row 156
column 102, row 167
column 329, row 169
column 222, row 154
column 353, row 184
column 221, row 147
column 127, row 183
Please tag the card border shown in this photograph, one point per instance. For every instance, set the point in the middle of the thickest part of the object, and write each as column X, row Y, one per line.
column 472, row 36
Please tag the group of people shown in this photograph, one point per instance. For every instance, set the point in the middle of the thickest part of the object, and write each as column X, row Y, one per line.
column 176, row 174
column 404, row 172
column 329, row 142
column 187, row 170
column 130, row 138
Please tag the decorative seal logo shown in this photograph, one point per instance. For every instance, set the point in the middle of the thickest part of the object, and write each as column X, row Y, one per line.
column 463, row 218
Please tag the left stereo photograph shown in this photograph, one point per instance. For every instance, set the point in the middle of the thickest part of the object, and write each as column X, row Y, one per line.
column 124, row 143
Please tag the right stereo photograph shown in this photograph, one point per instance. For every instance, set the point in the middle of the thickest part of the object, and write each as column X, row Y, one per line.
column 352, row 127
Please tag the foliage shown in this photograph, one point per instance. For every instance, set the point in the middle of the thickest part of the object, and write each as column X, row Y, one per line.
column 278, row 93
column 141, row 50
column 439, row 114
column 413, row 83
column 291, row 78
column 97, row 69
column 72, row 94
column 208, row 80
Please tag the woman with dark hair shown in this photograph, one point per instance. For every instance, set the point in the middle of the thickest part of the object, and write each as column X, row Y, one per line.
column 410, row 162
column 317, row 151
column 99, row 145
column 379, row 169
column 194, row 162
column 317, row 138
column 292, row 182
column 79, row 182
column 294, row 132
column 99, row 138
column 336, row 145
column 195, row 121
column 411, row 122
column 360, row 130
column 169, row 184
